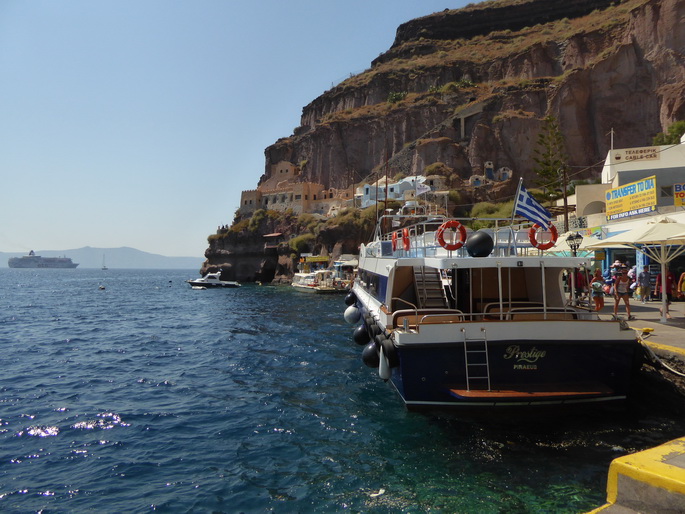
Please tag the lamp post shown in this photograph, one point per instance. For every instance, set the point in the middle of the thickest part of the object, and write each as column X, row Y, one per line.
column 564, row 181
column 574, row 241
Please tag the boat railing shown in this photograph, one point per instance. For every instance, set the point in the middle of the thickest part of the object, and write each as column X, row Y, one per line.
column 532, row 314
column 508, row 238
column 413, row 319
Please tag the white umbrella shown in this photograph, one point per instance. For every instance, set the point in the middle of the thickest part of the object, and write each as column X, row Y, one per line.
column 661, row 240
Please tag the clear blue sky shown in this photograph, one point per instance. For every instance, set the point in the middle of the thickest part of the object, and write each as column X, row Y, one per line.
column 139, row 122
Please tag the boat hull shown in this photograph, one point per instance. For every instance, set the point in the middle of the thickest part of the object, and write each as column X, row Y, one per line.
column 320, row 289
column 41, row 263
column 304, row 289
column 200, row 283
column 520, row 373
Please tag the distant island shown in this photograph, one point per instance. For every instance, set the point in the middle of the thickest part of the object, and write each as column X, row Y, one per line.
column 124, row 257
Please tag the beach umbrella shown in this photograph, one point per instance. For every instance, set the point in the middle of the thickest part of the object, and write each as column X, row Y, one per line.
column 661, row 239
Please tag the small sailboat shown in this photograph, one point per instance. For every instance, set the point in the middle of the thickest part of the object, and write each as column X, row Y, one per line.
column 104, row 266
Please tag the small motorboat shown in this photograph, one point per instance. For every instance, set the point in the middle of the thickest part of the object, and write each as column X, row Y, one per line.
column 211, row 280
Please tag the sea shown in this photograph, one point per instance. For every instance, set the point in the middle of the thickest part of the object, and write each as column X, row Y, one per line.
column 128, row 391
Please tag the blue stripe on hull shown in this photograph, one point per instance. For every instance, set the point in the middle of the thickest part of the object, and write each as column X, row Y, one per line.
column 430, row 373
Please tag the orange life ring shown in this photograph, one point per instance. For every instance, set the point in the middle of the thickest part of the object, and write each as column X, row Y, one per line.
column 440, row 235
column 406, row 244
column 542, row 246
column 394, row 241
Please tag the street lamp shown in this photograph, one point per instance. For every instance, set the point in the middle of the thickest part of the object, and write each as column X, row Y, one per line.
column 564, row 179
column 574, row 241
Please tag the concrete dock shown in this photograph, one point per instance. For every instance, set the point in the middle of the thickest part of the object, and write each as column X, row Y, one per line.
column 652, row 480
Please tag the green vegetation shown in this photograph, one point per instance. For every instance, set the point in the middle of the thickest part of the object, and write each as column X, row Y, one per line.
column 454, row 87
column 303, row 243
column 672, row 135
column 437, row 168
column 308, row 223
column 490, row 210
column 394, row 97
column 550, row 157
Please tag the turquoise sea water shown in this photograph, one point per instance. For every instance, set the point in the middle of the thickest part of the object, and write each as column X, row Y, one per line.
column 148, row 395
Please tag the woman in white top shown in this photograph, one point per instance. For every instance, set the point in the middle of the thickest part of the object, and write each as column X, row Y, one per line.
column 622, row 291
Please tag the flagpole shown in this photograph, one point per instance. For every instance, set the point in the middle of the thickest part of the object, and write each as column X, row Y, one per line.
column 513, row 214
column 516, row 200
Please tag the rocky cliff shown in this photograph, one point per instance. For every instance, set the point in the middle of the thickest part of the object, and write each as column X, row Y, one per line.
column 479, row 83
column 467, row 86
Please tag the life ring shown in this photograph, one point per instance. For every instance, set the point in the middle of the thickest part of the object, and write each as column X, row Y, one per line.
column 440, row 235
column 406, row 244
column 394, row 241
column 542, row 246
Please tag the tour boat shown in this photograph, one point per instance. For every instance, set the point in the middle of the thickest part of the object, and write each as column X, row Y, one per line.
column 454, row 317
column 320, row 282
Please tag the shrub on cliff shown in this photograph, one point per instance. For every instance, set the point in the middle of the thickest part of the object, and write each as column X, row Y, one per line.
column 490, row 210
column 308, row 223
column 350, row 227
column 438, row 168
column 303, row 243
column 672, row 136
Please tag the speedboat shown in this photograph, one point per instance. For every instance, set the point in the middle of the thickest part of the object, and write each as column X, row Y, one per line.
column 211, row 280
column 455, row 317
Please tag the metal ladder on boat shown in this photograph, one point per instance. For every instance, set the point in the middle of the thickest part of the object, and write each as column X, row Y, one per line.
column 430, row 292
column 476, row 359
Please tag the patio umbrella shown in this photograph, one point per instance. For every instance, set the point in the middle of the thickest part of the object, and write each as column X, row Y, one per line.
column 661, row 240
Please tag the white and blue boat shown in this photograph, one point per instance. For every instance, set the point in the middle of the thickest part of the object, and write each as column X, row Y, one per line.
column 459, row 318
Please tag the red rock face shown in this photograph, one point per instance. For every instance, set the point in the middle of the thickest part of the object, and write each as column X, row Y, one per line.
column 629, row 76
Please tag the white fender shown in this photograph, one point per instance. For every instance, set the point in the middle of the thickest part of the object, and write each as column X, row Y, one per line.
column 352, row 314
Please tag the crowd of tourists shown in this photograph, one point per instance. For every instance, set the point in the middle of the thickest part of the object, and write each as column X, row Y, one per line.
column 624, row 283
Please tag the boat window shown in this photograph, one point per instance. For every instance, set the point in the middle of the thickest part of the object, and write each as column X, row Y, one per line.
column 372, row 283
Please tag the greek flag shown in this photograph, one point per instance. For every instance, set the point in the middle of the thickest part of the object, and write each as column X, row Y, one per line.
column 530, row 209
column 422, row 188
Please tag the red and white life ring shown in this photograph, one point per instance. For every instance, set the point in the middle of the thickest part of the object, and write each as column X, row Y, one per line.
column 406, row 244
column 532, row 233
column 394, row 241
column 440, row 235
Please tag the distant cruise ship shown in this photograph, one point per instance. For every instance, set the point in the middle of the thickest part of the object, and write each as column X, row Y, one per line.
column 36, row 261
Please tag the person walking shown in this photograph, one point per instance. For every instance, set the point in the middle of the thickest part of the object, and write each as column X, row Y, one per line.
column 597, row 287
column 670, row 286
column 644, row 284
column 681, row 285
column 622, row 292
